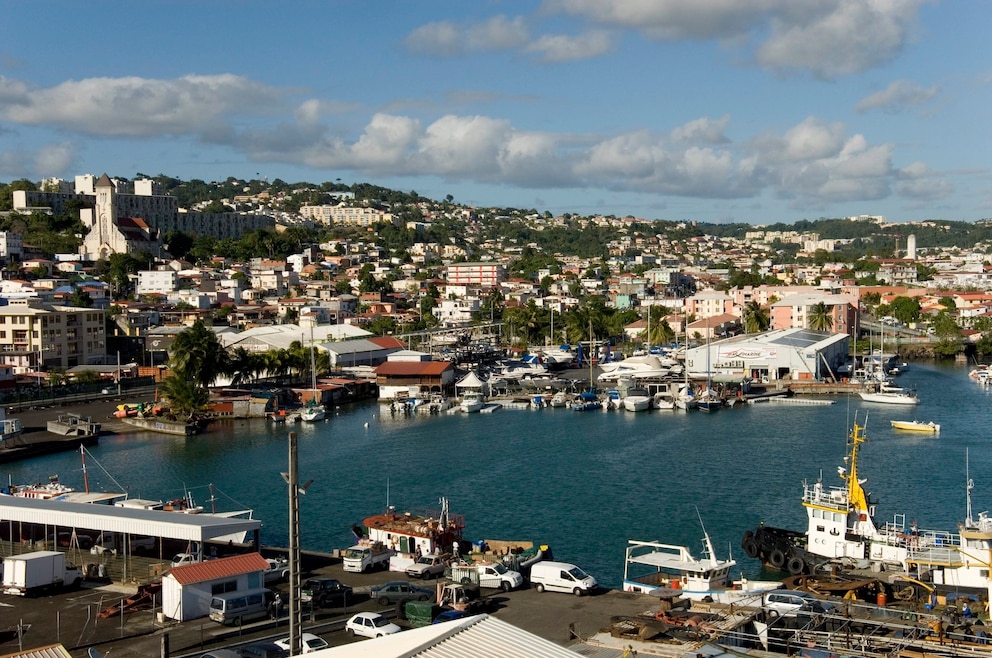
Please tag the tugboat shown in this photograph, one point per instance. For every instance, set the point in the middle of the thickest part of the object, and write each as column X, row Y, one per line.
column 841, row 530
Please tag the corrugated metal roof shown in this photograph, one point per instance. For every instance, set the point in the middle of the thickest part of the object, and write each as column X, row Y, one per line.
column 412, row 368
column 224, row 567
column 153, row 523
column 481, row 636
column 51, row 651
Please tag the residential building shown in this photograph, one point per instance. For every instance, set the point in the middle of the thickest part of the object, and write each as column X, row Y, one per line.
column 486, row 275
column 795, row 311
column 347, row 215
column 11, row 247
column 35, row 335
column 156, row 281
column 709, row 303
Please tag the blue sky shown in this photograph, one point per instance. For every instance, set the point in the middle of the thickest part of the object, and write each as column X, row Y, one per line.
column 756, row 111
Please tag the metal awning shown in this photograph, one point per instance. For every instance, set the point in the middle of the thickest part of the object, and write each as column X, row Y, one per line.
column 153, row 523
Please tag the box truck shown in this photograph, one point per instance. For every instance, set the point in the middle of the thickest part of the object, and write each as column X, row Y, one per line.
column 31, row 573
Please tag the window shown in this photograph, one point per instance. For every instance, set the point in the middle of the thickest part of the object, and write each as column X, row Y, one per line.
column 226, row 586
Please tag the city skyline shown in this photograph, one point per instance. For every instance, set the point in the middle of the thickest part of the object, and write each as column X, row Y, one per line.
column 756, row 111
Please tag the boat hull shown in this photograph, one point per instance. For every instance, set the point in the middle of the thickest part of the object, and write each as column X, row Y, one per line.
column 916, row 426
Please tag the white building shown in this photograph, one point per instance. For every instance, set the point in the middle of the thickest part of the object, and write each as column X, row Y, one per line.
column 157, row 281
column 187, row 590
column 11, row 247
column 33, row 333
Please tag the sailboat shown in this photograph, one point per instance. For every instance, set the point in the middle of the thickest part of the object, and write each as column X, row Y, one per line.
column 314, row 411
column 708, row 400
column 685, row 399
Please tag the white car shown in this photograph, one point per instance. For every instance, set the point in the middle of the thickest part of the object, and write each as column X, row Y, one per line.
column 370, row 624
column 309, row 642
column 788, row 603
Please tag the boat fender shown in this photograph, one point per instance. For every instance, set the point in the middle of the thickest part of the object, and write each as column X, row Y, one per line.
column 751, row 548
column 796, row 566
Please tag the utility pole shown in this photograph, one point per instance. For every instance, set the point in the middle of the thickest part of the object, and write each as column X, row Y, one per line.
column 292, row 479
column 118, row 373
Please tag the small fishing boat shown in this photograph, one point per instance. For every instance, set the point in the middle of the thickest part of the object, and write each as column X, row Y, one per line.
column 654, row 567
column 916, row 426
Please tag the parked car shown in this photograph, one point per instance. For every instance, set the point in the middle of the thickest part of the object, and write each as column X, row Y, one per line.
column 428, row 566
column 325, row 591
column 450, row 615
column 309, row 643
column 399, row 591
column 787, row 603
column 222, row 653
column 370, row 624
column 263, row 650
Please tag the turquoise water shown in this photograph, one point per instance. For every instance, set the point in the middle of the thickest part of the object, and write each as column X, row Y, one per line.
column 584, row 483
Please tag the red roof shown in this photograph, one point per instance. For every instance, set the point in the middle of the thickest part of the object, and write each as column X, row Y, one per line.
column 408, row 368
column 224, row 567
column 387, row 341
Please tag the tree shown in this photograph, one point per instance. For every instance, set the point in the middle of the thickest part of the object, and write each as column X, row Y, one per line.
column 197, row 356
column 905, row 309
column 756, row 317
column 820, row 317
column 187, row 401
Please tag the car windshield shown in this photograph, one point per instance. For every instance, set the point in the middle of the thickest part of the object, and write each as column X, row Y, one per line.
column 380, row 621
column 426, row 560
column 316, row 643
column 577, row 573
column 354, row 553
column 500, row 569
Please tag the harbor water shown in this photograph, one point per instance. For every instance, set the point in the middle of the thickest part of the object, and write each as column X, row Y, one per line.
column 582, row 482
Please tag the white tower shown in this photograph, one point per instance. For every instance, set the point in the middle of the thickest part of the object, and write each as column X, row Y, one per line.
column 911, row 247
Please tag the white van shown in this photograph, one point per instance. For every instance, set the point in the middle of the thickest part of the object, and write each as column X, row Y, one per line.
column 235, row 608
column 561, row 577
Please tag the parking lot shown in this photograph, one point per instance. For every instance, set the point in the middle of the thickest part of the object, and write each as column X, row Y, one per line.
column 72, row 617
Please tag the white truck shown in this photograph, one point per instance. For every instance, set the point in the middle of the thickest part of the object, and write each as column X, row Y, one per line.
column 367, row 556
column 493, row 575
column 114, row 542
column 30, row 573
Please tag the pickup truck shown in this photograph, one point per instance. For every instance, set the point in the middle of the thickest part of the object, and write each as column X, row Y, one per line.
column 487, row 575
column 322, row 591
column 365, row 557
column 277, row 571
column 428, row 566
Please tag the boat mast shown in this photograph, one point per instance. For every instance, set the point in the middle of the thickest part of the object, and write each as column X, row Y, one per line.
column 970, row 484
column 82, row 457
column 708, row 545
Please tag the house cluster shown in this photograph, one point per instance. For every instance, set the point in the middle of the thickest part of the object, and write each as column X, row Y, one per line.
column 319, row 286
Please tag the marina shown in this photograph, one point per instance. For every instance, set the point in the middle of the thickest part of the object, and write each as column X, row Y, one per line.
column 546, row 473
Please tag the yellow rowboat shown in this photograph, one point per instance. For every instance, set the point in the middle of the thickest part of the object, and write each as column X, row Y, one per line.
column 916, row 426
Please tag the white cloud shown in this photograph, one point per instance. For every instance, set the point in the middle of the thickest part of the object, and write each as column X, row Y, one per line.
column 447, row 39
column 564, row 48
column 702, row 131
column 135, row 107
column 53, row 159
column 898, row 96
column 830, row 38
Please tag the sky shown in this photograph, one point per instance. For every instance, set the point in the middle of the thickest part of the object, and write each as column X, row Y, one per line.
column 756, row 111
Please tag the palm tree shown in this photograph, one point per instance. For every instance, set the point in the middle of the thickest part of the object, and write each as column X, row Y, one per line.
column 756, row 318
column 244, row 366
column 197, row 355
column 186, row 400
column 819, row 317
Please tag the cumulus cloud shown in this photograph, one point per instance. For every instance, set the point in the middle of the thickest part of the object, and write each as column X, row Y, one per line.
column 898, row 96
column 448, row 39
column 135, row 107
column 564, row 48
column 53, row 159
column 829, row 38
column 703, row 130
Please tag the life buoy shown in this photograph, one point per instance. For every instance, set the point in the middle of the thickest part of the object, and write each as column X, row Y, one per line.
column 751, row 548
column 776, row 558
column 796, row 565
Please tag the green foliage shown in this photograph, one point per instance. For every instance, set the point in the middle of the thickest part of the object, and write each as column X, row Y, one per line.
column 197, row 356
column 905, row 309
column 756, row 318
column 820, row 317
column 948, row 347
column 187, row 401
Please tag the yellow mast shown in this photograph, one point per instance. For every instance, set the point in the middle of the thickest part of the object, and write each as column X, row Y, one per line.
column 856, row 497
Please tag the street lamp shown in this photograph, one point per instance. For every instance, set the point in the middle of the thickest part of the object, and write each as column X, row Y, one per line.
column 292, row 479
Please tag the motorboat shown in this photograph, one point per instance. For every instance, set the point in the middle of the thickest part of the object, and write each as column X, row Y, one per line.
column 586, row 401
column 648, row 366
column 560, row 399
column 685, row 399
column 916, row 426
column 637, row 399
column 471, row 402
column 557, row 358
column 612, row 400
column 653, row 567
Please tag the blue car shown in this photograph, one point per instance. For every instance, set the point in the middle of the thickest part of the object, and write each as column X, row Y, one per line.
column 449, row 615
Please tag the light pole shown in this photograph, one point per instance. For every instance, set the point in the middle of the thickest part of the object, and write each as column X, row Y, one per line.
column 292, row 479
column 118, row 373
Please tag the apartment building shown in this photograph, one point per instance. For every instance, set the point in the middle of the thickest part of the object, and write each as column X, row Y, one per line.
column 34, row 334
column 486, row 275
column 347, row 215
